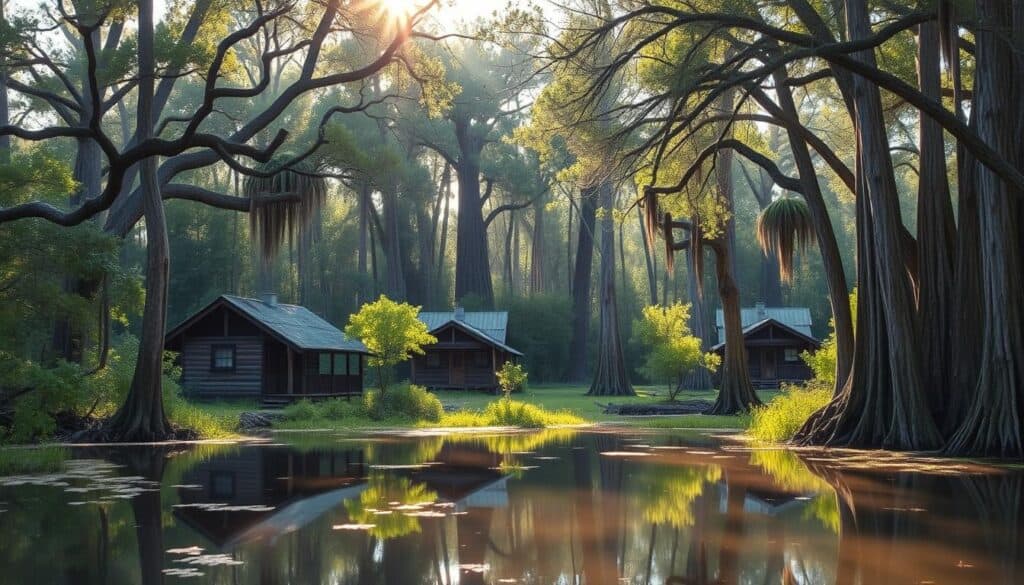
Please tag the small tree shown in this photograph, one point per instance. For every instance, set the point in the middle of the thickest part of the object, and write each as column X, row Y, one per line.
column 511, row 378
column 391, row 332
column 673, row 350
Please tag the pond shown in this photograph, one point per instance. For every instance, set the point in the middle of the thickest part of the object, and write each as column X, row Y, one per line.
column 554, row 506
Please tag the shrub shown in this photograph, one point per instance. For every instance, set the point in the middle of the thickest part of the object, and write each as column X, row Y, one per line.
column 392, row 333
column 511, row 413
column 407, row 401
column 511, row 378
column 337, row 409
column 782, row 417
column 301, row 410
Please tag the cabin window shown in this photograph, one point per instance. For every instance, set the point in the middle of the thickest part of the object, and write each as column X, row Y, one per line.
column 222, row 358
column 222, row 485
column 433, row 360
column 353, row 364
column 792, row 355
column 324, row 367
column 340, row 361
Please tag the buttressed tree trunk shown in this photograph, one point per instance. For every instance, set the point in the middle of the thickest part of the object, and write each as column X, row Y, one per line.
column 935, row 235
column 611, row 378
column 883, row 404
column 581, row 289
column 141, row 417
column 994, row 424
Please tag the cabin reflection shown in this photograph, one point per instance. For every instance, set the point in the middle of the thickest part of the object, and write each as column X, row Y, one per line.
column 260, row 493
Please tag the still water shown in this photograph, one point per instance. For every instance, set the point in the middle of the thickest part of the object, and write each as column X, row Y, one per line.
column 555, row 506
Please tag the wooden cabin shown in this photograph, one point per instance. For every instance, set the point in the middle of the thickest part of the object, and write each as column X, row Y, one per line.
column 470, row 349
column 774, row 337
column 258, row 348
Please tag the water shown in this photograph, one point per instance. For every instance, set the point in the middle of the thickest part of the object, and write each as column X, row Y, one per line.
column 543, row 507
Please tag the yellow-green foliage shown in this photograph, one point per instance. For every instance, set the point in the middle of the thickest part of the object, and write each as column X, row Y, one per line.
column 511, row 378
column 823, row 361
column 671, row 493
column 391, row 331
column 782, row 417
column 15, row 461
column 384, row 493
column 672, row 350
column 511, row 413
column 406, row 402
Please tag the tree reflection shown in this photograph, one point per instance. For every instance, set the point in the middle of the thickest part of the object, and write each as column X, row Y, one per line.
column 388, row 504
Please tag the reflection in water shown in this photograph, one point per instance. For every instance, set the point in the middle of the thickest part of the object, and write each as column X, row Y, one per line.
column 544, row 507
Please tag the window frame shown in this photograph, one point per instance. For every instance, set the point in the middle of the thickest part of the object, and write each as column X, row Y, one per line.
column 214, row 348
column 320, row 363
column 785, row 355
column 343, row 357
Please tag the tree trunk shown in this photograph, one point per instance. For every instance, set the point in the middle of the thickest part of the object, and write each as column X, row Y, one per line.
column 883, row 403
column 994, row 424
column 581, row 294
column 5, row 111
column 394, row 282
column 611, row 378
column 363, row 293
column 537, row 250
column 935, row 235
column 832, row 262
column 141, row 417
column 735, row 393
column 472, row 260
column 698, row 378
column 652, row 276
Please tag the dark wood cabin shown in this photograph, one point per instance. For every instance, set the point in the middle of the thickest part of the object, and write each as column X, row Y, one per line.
column 774, row 338
column 470, row 349
column 258, row 348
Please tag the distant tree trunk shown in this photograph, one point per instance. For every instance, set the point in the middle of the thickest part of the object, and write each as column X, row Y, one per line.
column 832, row 262
column 537, row 256
column 472, row 260
column 568, row 247
column 394, row 281
column 883, row 403
column 698, row 378
column 442, row 247
column 5, row 111
column 994, row 423
column 936, row 233
column 141, row 417
column 611, row 378
column 364, row 202
column 581, row 280
column 652, row 276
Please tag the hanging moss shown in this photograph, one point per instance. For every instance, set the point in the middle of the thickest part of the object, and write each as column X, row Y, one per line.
column 283, row 205
column 783, row 227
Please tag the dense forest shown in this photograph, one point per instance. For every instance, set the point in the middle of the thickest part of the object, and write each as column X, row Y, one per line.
column 571, row 163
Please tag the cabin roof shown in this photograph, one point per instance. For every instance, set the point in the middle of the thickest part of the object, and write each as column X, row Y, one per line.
column 798, row 318
column 295, row 325
column 769, row 322
column 489, row 327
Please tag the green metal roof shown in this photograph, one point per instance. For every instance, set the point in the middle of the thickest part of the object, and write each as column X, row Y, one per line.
column 798, row 318
column 489, row 325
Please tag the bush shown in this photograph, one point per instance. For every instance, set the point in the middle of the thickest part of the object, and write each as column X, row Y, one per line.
column 783, row 416
column 511, row 378
column 407, row 401
column 338, row 409
column 511, row 413
column 301, row 410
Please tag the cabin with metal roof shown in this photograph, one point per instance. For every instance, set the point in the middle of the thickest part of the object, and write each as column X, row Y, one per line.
column 239, row 347
column 774, row 337
column 470, row 350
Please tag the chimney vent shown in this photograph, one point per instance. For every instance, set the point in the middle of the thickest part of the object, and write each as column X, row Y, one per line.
column 762, row 312
column 269, row 298
column 460, row 313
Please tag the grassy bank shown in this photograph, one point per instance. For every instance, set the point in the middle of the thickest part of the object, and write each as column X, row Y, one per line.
column 538, row 406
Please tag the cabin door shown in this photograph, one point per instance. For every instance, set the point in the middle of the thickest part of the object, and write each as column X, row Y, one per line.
column 458, row 368
column 768, row 363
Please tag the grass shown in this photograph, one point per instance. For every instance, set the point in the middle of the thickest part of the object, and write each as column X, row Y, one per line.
column 44, row 459
column 212, row 420
column 781, row 418
column 536, row 407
